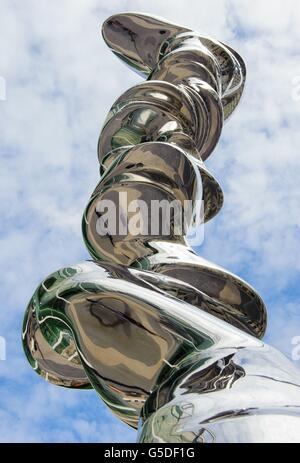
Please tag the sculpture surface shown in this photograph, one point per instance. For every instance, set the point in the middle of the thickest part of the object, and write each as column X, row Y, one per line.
column 169, row 340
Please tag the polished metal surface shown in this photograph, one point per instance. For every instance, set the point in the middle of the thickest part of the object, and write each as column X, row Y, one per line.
column 170, row 341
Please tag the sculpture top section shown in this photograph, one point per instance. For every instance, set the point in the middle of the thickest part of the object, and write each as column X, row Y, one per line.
column 160, row 50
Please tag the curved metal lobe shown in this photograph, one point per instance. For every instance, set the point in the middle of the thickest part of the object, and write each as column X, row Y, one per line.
column 167, row 339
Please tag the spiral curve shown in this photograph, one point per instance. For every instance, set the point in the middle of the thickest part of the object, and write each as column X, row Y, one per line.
column 164, row 336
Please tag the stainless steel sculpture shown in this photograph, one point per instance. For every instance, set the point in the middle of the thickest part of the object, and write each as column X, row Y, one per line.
column 166, row 338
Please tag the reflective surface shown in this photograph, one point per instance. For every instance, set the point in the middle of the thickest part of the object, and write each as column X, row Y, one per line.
column 167, row 339
column 149, row 347
column 119, row 329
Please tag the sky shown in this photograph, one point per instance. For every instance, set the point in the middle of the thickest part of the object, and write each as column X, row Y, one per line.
column 59, row 81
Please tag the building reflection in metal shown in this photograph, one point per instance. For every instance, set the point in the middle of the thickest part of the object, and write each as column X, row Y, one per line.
column 170, row 341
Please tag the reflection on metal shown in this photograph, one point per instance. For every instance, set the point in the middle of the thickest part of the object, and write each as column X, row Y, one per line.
column 167, row 339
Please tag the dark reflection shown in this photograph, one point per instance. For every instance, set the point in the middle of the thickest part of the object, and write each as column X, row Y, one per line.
column 221, row 375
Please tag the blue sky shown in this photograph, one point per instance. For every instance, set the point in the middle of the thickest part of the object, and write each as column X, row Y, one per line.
column 60, row 82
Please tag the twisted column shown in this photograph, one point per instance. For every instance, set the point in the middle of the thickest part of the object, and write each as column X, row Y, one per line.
column 165, row 337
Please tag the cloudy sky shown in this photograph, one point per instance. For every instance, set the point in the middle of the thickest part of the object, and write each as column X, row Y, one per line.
column 60, row 82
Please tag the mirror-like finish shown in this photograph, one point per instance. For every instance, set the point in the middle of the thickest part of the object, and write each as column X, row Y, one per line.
column 226, row 396
column 139, row 171
column 150, row 45
column 123, row 327
column 150, row 347
column 169, row 340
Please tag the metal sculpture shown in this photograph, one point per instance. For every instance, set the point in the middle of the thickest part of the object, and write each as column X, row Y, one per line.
column 167, row 339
